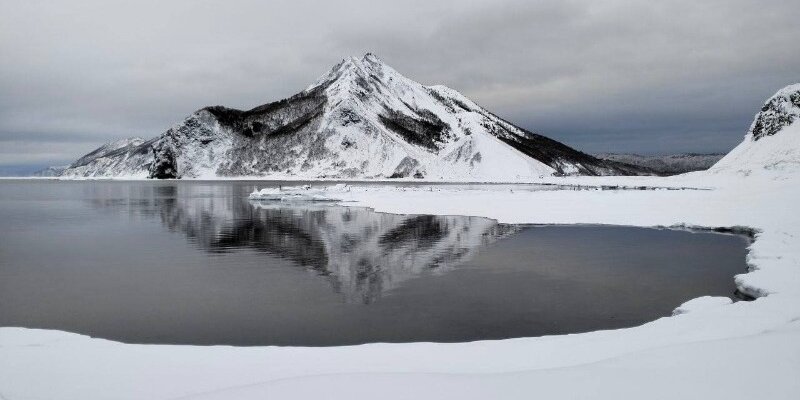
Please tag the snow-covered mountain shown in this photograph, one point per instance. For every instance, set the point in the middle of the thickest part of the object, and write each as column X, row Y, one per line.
column 362, row 119
column 772, row 143
column 125, row 157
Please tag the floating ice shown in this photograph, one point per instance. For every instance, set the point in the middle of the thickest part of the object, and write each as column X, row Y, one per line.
column 297, row 193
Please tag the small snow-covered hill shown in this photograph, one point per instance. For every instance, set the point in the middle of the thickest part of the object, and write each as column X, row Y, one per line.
column 772, row 143
column 362, row 119
column 125, row 157
column 51, row 171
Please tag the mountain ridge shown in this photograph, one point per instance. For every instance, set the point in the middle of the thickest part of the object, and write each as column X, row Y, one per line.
column 666, row 164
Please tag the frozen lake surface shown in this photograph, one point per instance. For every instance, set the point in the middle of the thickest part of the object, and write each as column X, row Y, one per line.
column 198, row 263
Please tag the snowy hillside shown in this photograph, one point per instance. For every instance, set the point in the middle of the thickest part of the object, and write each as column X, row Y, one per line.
column 773, row 142
column 126, row 157
column 51, row 171
column 361, row 119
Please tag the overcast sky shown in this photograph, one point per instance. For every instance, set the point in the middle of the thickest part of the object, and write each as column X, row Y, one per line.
column 647, row 77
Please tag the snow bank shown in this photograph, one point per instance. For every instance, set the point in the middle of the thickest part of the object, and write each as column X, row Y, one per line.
column 701, row 303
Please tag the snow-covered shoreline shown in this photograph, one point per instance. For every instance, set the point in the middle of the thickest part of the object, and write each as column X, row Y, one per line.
column 704, row 352
column 621, row 182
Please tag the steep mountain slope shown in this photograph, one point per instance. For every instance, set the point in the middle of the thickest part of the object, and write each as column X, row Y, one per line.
column 772, row 143
column 362, row 119
column 671, row 164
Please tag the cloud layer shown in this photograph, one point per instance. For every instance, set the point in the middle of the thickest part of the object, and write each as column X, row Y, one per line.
column 669, row 76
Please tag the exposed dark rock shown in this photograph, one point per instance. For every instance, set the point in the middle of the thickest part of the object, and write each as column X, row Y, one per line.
column 164, row 166
column 427, row 130
column 407, row 167
column 777, row 113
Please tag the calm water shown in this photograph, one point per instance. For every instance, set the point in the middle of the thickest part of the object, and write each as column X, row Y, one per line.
column 197, row 263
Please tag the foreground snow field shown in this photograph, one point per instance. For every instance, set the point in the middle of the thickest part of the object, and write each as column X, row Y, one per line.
column 710, row 349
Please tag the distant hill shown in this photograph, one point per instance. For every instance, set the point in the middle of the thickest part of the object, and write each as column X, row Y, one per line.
column 51, row 171
column 671, row 164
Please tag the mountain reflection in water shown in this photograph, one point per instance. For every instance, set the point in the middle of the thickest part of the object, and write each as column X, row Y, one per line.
column 362, row 253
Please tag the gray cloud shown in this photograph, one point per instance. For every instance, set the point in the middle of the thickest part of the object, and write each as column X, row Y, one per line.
column 599, row 75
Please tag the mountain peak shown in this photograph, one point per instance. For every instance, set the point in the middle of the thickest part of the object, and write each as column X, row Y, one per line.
column 370, row 55
column 355, row 70
column 368, row 60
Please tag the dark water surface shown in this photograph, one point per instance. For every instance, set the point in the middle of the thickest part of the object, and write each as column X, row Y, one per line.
column 197, row 263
